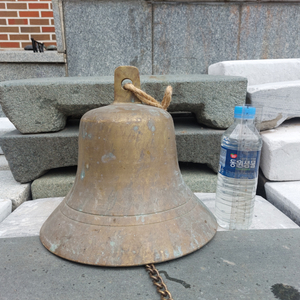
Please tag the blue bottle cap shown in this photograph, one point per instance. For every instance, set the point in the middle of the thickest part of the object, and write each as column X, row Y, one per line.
column 245, row 112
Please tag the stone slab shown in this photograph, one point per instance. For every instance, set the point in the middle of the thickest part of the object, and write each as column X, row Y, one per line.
column 31, row 155
column 5, row 208
column 16, row 71
column 280, row 155
column 5, row 126
column 108, row 34
column 286, row 197
column 250, row 265
column 31, row 57
column 55, row 183
column 43, row 105
column 15, row 191
column 28, row 218
column 259, row 71
column 188, row 37
column 265, row 215
column 280, row 101
column 58, row 182
column 273, row 84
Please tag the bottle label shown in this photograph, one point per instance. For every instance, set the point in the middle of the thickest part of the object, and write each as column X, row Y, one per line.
column 239, row 164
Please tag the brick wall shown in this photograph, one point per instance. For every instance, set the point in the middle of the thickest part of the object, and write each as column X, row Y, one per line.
column 21, row 20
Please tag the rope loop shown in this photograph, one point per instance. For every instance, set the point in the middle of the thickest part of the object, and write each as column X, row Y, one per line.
column 147, row 99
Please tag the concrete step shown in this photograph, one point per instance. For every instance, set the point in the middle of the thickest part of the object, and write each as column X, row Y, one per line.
column 13, row 190
column 44, row 104
column 58, row 182
column 280, row 156
column 30, row 216
column 286, row 197
column 31, row 155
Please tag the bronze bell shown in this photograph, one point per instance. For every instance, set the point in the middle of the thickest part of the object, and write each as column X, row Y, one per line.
column 129, row 204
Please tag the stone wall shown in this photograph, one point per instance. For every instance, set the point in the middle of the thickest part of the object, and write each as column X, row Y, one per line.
column 175, row 37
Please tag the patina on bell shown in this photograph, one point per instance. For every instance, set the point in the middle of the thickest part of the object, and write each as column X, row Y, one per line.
column 129, row 204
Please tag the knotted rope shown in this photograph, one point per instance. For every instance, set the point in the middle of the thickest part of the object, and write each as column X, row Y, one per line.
column 147, row 99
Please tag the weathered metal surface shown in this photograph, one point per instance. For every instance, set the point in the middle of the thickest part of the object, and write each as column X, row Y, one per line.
column 129, row 204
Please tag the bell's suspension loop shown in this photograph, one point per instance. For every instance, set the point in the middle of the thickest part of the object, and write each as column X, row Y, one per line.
column 147, row 99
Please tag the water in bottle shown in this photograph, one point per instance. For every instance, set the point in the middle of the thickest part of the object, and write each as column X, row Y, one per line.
column 238, row 171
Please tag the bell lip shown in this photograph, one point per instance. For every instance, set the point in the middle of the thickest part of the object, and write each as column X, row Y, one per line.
column 209, row 225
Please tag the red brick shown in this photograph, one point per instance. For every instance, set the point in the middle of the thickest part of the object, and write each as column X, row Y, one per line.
column 47, row 14
column 2, row 5
column 9, row 45
column 8, row 29
column 29, row 14
column 2, row 22
column 53, row 37
column 3, row 37
column 17, row 21
column 18, row 37
column 52, row 21
column 41, row 37
column 38, row 5
column 30, row 29
column 23, row 44
column 50, row 43
column 39, row 22
column 8, row 14
column 48, row 29
column 16, row 5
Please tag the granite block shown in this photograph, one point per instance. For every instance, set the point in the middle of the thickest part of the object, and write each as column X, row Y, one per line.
column 31, row 57
column 15, row 191
column 31, row 155
column 2, row 114
column 197, row 144
column 15, row 71
column 43, row 105
column 55, row 183
column 269, row 31
column 5, row 126
column 102, row 35
column 285, row 196
column 59, row 30
column 188, row 37
column 5, row 208
column 280, row 155
column 58, row 182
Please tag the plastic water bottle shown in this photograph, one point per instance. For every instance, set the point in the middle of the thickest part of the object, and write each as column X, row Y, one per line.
column 238, row 171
